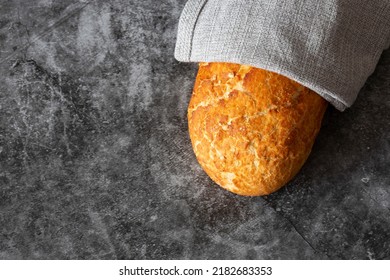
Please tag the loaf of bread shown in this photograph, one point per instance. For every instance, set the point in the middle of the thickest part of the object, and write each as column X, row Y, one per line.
column 251, row 129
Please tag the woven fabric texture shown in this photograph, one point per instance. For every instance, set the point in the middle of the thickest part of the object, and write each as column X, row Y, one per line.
column 331, row 46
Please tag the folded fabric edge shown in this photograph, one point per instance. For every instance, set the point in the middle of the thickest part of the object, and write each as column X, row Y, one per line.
column 187, row 22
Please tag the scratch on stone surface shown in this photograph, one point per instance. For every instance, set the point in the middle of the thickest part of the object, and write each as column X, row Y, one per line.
column 65, row 118
column 101, row 227
column 27, row 33
column 73, row 10
column 373, row 199
column 51, row 113
column 304, row 238
column 370, row 255
column 94, row 38
column 296, row 230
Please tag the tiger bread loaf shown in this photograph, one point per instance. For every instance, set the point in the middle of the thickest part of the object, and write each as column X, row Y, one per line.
column 251, row 129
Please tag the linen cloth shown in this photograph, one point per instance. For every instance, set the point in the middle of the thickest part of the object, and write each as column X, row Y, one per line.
column 330, row 46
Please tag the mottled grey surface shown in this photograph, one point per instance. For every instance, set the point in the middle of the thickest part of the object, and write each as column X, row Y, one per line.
column 96, row 162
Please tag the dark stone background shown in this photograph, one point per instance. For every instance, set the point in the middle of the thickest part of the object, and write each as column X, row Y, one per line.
column 96, row 162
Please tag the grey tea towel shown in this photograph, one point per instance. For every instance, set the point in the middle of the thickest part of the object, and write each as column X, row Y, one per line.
column 329, row 46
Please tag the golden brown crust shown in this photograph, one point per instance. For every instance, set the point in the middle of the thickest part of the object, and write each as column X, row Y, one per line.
column 251, row 129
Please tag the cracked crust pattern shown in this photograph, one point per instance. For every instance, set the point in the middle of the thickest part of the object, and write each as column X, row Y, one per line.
column 251, row 129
